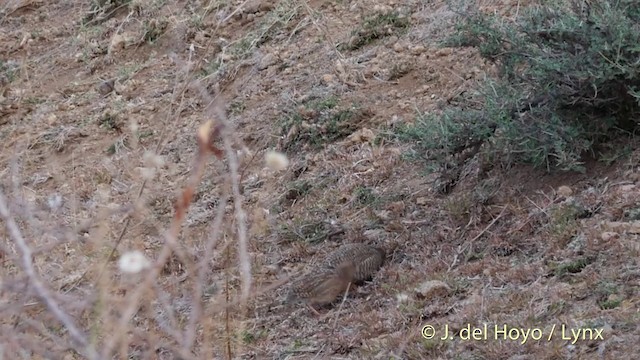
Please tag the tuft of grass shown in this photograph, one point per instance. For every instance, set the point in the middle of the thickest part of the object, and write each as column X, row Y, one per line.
column 610, row 304
column 376, row 27
column 572, row 267
column 250, row 338
column 128, row 70
column 102, row 10
column 311, row 231
column 116, row 146
column 563, row 221
column 270, row 27
column 109, row 121
column 237, row 107
column 8, row 71
column 316, row 123
column 365, row 196
column 297, row 190
column 154, row 28
column 608, row 295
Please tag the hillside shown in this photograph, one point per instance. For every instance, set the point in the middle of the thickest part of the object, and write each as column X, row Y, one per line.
column 143, row 126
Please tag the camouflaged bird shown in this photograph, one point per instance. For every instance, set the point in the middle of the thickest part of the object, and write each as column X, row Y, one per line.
column 322, row 286
column 349, row 264
column 366, row 259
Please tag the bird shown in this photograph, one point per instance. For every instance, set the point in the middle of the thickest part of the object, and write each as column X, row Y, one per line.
column 349, row 264
column 366, row 259
column 320, row 287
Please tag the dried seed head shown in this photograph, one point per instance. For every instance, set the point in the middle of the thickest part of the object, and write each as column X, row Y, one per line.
column 204, row 131
column 133, row 262
column 276, row 160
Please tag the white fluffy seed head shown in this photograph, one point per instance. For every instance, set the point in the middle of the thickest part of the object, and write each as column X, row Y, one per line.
column 276, row 160
column 54, row 201
column 133, row 262
column 148, row 173
column 402, row 298
column 152, row 159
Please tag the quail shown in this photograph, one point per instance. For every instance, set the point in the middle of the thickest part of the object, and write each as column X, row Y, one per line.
column 352, row 263
column 367, row 259
column 322, row 286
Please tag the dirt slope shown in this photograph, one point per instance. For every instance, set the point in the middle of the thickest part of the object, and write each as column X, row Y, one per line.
column 97, row 97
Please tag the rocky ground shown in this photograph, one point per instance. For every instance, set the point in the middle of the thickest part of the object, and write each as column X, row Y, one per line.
column 99, row 97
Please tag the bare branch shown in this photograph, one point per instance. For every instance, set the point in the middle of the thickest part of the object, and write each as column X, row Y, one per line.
column 241, row 217
column 38, row 286
column 196, row 310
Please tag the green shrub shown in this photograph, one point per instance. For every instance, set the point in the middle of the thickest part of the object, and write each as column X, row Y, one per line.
column 569, row 79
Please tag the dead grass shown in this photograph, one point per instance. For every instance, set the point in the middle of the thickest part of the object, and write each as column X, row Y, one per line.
column 88, row 177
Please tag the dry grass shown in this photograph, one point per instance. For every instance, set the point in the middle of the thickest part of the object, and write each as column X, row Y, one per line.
column 170, row 163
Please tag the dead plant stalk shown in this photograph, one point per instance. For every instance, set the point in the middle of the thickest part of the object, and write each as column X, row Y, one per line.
column 43, row 293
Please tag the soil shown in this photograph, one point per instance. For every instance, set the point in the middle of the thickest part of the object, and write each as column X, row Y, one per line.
column 90, row 165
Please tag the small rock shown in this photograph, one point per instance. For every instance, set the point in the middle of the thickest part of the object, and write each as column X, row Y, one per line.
column 632, row 175
column 417, row 50
column 396, row 207
column 444, row 52
column 397, row 47
column 632, row 227
column 266, row 61
column 565, row 191
column 328, row 79
column 431, row 289
column 362, row 135
column 608, row 235
column 271, row 269
column 375, row 234
column 118, row 42
column 252, row 7
column 422, row 201
column 201, row 37
column 627, row 187
column 106, row 87
column 383, row 214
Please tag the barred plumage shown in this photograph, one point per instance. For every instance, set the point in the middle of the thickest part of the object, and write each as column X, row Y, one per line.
column 367, row 259
column 322, row 287
column 351, row 263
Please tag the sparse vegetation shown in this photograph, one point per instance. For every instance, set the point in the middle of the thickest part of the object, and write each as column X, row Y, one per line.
column 310, row 231
column 276, row 21
column 365, row 196
column 154, row 28
column 109, row 121
column 318, row 122
column 572, row 267
column 375, row 27
column 148, row 211
column 563, row 221
column 7, row 71
column 568, row 79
